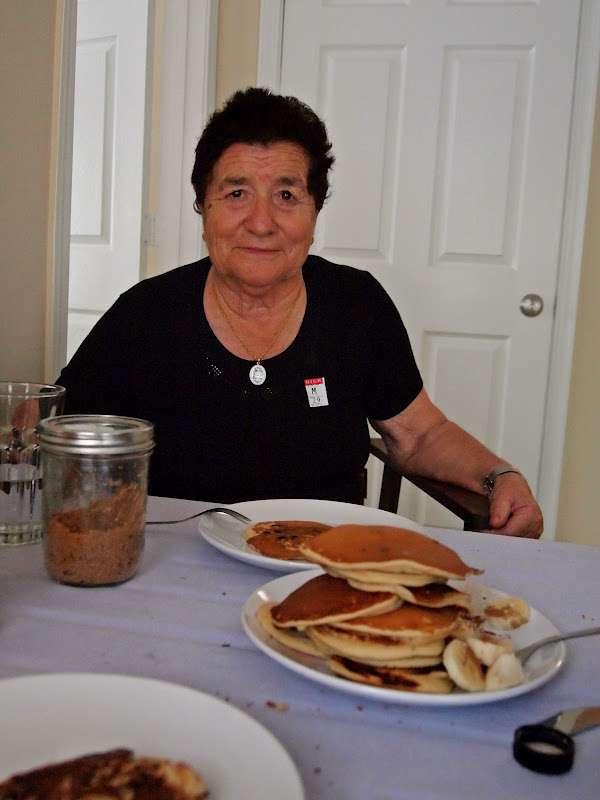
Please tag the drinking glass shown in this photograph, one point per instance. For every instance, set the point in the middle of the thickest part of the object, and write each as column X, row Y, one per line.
column 22, row 406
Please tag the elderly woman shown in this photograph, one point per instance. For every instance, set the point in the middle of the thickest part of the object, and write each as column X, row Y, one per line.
column 260, row 365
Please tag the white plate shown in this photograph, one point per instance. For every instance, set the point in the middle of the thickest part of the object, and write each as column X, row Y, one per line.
column 542, row 665
column 53, row 717
column 227, row 534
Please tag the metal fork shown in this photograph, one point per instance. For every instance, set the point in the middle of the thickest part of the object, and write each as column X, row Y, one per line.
column 214, row 510
column 524, row 653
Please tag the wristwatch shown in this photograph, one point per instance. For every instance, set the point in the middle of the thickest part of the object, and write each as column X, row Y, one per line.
column 490, row 478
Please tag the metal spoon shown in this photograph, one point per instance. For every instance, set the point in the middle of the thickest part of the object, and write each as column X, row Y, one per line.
column 214, row 510
column 524, row 653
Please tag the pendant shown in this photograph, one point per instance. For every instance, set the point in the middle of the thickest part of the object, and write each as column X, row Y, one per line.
column 258, row 374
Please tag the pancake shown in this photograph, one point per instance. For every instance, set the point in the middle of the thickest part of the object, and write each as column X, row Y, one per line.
column 282, row 539
column 433, row 595
column 368, row 586
column 290, row 637
column 374, row 649
column 407, row 622
column 411, row 662
column 436, row 595
column 373, row 578
column 373, row 546
column 112, row 774
column 327, row 599
column 431, row 680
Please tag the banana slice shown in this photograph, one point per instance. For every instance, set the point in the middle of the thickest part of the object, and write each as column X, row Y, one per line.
column 506, row 671
column 463, row 667
column 487, row 647
column 507, row 613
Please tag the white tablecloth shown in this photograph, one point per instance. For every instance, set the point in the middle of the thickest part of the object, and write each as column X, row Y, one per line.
column 179, row 620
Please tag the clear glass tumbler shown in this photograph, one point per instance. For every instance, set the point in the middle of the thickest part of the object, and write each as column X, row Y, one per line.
column 22, row 406
column 94, row 496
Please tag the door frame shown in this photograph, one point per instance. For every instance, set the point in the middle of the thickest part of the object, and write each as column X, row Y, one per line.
column 182, row 58
column 574, row 218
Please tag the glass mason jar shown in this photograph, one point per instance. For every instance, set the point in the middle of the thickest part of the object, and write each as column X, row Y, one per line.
column 94, row 496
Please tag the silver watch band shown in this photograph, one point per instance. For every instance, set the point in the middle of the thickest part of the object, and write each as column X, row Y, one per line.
column 490, row 478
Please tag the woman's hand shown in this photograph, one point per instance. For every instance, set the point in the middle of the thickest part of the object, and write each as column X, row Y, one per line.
column 513, row 509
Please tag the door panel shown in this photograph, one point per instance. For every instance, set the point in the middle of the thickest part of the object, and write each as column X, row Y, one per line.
column 108, row 158
column 450, row 123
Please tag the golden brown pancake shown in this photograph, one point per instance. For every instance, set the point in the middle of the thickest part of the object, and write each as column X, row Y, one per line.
column 373, row 546
column 407, row 622
column 366, row 586
column 424, row 679
column 282, row 539
column 374, row 649
column 411, row 662
column 433, row 595
column 290, row 637
column 436, row 595
column 113, row 774
column 328, row 599
column 377, row 578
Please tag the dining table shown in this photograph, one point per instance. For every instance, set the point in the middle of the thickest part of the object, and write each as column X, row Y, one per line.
column 179, row 620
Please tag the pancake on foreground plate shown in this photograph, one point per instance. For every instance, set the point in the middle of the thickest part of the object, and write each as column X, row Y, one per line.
column 295, row 638
column 326, row 599
column 379, row 631
column 282, row 538
column 376, row 650
column 427, row 679
column 407, row 622
column 112, row 775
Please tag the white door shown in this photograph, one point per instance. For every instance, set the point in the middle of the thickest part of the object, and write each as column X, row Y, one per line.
column 450, row 123
column 108, row 158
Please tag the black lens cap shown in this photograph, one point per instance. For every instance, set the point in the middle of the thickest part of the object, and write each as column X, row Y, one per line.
column 543, row 749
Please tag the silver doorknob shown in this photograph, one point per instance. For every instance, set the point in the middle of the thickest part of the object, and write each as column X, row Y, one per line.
column 531, row 305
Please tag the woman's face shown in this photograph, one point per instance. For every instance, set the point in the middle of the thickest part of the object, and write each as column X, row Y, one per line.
column 258, row 216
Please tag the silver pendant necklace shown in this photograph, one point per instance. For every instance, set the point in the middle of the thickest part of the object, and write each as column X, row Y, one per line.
column 257, row 374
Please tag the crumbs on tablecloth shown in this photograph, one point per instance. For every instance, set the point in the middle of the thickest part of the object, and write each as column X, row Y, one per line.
column 277, row 706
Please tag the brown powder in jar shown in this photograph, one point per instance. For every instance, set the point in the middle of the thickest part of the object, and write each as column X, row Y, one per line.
column 100, row 544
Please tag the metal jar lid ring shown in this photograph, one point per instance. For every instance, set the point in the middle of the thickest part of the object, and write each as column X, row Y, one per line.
column 95, row 434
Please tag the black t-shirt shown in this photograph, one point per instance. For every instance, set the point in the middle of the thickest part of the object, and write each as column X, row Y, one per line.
column 222, row 439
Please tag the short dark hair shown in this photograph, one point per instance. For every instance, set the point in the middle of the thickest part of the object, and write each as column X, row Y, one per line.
column 259, row 116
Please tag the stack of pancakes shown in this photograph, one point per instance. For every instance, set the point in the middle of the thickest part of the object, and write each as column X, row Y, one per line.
column 383, row 613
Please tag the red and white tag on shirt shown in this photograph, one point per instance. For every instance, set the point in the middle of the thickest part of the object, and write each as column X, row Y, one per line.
column 316, row 391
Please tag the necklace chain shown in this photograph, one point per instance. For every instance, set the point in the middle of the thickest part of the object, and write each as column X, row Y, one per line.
column 252, row 355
